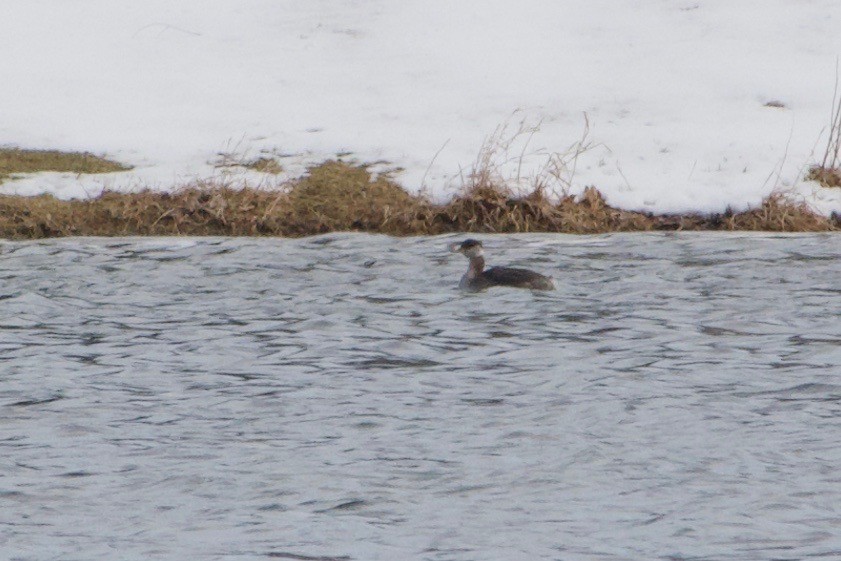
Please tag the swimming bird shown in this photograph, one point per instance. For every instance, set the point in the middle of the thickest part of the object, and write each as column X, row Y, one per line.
column 478, row 278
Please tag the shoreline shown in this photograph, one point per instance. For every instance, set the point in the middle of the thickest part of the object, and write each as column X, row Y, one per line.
column 337, row 196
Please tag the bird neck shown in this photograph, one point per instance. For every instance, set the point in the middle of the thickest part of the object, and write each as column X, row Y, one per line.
column 477, row 265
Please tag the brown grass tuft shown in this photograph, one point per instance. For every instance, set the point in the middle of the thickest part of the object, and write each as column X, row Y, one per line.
column 828, row 173
column 779, row 214
column 264, row 165
column 196, row 210
column 487, row 208
column 827, row 177
column 338, row 196
column 484, row 207
column 591, row 214
column 16, row 160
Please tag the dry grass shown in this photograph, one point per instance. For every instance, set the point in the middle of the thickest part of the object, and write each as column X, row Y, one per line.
column 780, row 214
column 828, row 177
column 16, row 161
column 828, row 173
column 338, row 196
column 332, row 196
column 341, row 196
column 264, row 165
column 489, row 203
column 494, row 208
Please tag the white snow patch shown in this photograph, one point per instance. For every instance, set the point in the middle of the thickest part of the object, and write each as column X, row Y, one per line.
column 674, row 90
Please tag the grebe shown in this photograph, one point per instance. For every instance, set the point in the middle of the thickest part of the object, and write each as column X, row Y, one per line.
column 478, row 278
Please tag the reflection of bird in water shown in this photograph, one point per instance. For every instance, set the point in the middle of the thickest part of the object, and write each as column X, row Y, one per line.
column 479, row 278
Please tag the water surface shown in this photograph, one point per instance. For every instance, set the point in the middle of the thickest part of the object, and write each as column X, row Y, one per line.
column 678, row 397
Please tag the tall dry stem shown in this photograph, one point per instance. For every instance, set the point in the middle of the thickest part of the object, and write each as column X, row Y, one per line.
column 561, row 167
column 832, row 156
column 555, row 172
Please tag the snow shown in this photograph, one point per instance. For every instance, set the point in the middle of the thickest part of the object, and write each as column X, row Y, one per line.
column 674, row 90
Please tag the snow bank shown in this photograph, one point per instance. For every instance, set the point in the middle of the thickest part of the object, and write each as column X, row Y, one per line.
column 675, row 90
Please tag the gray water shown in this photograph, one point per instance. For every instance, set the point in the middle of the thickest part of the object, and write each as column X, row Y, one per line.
column 336, row 398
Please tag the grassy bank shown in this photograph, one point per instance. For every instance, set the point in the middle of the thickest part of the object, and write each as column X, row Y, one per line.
column 337, row 196
column 15, row 161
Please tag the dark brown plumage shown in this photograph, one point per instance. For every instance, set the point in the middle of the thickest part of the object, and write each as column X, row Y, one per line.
column 478, row 278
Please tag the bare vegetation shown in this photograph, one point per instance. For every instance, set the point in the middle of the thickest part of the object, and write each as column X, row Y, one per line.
column 780, row 214
column 828, row 173
column 18, row 161
column 263, row 164
column 828, row 177
column 338, row 196
column 341, row 196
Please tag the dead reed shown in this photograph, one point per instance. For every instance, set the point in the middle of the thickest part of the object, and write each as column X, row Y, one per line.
column 342, row 196
column 828, row 173
column 778, row 213
column 827, row 177
column 338, row 196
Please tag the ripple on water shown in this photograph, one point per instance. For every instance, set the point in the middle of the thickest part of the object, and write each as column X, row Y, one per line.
column 335, row 398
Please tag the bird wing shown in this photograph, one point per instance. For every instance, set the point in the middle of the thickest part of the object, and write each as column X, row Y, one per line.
column 510, row 275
